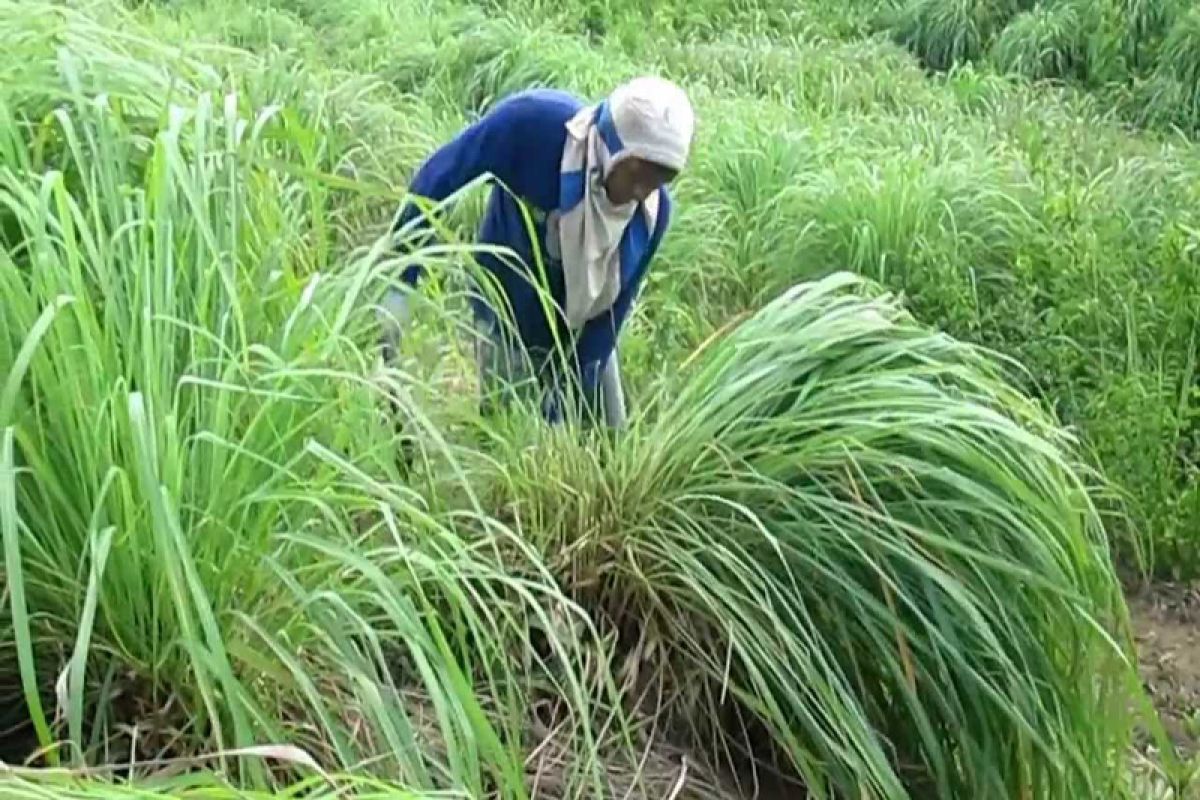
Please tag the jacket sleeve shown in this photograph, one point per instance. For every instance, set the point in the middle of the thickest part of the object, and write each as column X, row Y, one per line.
column 598, row 337
column 484, row 147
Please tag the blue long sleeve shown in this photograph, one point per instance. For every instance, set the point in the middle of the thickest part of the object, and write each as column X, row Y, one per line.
column 519, row 143
column 487, row 146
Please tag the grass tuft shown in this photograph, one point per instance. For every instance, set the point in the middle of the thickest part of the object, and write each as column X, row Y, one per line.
column 946, row 33
column 841, row 544
column 1180, row 59
column 1044, row 42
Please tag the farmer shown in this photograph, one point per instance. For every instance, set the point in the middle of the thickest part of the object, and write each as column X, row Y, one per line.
column 593, row 182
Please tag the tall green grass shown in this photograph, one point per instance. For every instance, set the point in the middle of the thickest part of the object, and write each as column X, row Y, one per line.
column 1044, row 42
column 946, row 32
column 1180, row 59
column 836, row 545
column 1133, row 53
column 194, row 544
column 64, row 785
column 990, row 201
column 808, row 552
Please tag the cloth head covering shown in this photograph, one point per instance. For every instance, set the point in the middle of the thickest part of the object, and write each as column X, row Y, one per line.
column 648, row 118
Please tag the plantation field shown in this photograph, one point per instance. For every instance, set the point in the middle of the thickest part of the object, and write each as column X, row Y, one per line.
column 915, row 436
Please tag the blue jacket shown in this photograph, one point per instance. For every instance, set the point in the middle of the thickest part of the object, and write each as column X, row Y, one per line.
column 520, row 144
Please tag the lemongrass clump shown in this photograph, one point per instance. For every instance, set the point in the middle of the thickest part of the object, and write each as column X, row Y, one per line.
column 945, row 33
column 1145, row 22
column 206, row 545
column 1180, row 59
column 1169, row 97
column 26, row 784
column 843, row 545
column 1044, row 42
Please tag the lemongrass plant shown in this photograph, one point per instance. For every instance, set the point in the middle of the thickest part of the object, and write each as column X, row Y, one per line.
column 206, row 545
column 945, row 33
column 841, row 547
column 1180, row 58
column 835, row 545
column 65, row 785
column 1046, row 42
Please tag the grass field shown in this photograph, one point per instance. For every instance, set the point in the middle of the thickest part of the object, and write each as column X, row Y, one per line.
column 914, row 384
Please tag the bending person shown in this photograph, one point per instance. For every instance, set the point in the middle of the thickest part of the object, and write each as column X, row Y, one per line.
column 593, row 179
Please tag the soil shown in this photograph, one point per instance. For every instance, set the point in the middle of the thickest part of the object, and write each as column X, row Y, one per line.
column 1166, row 625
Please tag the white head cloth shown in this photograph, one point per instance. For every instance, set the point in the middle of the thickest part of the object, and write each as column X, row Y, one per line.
column 653, row 120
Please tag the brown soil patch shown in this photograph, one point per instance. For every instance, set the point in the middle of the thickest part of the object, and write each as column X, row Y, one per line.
column 1166, row 626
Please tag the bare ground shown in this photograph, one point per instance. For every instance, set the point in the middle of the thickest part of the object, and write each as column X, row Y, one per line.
column 1166, row 624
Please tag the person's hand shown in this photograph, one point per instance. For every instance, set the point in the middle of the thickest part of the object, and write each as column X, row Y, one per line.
column 394, row 317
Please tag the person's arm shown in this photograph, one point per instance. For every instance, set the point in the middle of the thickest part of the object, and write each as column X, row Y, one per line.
column 598, row 337
column 487, row 146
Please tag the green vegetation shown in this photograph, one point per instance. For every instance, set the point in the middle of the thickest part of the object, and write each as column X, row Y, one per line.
column 1139, row 55
column 946, row 32
column 1045, row 42
column 918, row 357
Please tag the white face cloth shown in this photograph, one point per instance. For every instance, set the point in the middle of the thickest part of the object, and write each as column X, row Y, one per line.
column 653, row 121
